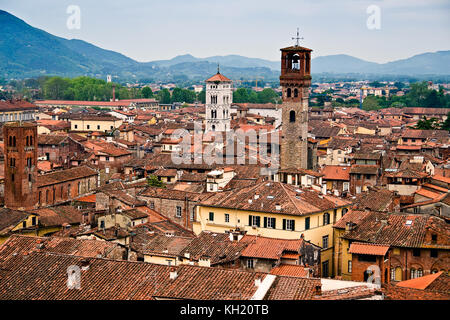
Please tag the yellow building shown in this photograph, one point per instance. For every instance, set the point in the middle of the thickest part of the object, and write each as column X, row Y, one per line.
column 17, row 110
column 14, row 221
column 275, row 210
column 91, row 123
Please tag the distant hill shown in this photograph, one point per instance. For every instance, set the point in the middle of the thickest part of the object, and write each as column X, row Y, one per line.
column 26, row 51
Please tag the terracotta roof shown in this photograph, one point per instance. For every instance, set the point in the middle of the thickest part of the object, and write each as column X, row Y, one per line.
column 336, row 173
column 65, row 175
column 364, row 169
column 370, row 249
column 291, row 270
column 269, row 248
column 292, row 288
column 424, row 282
column 291, row 200
column 218, row 77
column 58, row 216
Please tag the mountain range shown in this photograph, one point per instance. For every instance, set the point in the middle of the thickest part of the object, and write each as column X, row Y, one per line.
column 26, row 51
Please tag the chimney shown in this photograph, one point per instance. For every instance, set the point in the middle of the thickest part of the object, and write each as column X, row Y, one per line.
column 277, row 207
column 257, row 282
column 85, row 264
column 173, row 273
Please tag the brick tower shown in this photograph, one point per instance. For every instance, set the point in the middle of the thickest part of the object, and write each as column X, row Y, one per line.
column 295, row 80
column 20, row 149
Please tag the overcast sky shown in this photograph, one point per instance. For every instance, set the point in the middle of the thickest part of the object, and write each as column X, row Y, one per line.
column 148, row 30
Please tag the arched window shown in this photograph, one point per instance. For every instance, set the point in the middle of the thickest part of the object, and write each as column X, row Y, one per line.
column 292, row 116
column 14, row 141
column 288, row 92
column 213, row 127
column 419, row 273
column 31, row 140
column 295, row 92
column 10, row 141
column 27, row 141
column 413, row 273
column 296, row 62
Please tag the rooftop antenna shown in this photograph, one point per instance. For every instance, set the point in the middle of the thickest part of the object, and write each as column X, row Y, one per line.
column 297, row 38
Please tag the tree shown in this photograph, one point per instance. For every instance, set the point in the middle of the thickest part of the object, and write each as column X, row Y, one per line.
column 427, row 124
column 177, row 95
column 446, row 123
column 370, row 103
column 153, row 181
column 268, row 96
column 240, row 95
column 164, row 96
column 55, row 87
column 147, row 92
column 201, row 96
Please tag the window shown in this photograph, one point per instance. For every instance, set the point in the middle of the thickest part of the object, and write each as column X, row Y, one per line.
column 250, row 263
column 433, row 253
column 152, row 205
column 295, row 92
column 416, row 252
column 326, row 218
column 288, row 92
column 269, row 223
column 325, row 269
column 307, row 223
column 292, row 116
column 178, row 213
column 33, row 221
column 434, row 237
column 24, row 224
column 211, row 216
column 88, row 127
column 393, row 274
column 288, row 224
column 349, row 266
column 254, row 221
column 325, row 242
column 193, row 214
column 102, row 224
column 12, row 177
column 367, row 258
column 227, row 217
column 98, row 127
column 76, row 126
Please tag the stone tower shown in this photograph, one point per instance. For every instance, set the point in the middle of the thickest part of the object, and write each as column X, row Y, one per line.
column 295, row 80
column 20, row 150
column 219, row 96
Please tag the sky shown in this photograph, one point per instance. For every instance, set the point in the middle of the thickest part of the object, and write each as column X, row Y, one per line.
column 147, row 30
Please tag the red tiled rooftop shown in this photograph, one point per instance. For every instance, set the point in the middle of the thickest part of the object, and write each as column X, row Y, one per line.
column 291, row 270
column 421, row 282
column 365, row 248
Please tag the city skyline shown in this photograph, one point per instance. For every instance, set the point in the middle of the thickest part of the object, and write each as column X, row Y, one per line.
column 134, row 29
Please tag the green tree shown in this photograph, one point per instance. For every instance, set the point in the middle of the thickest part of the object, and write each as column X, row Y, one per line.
column 55, row 88
column 201, row 96
column 427, row 124
column 268, row 96
column 240, row 95
column 446, row 123
column 370, row 103
column 164, row 96
column 147, row 92
column 153, row 181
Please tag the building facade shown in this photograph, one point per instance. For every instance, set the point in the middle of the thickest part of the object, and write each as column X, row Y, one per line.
column 219, row 96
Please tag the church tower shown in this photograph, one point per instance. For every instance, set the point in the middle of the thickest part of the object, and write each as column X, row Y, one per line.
column 295, row 80
column 219, row 96
column 20, row 150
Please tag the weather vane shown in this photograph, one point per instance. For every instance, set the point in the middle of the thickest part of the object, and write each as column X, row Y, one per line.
column 297, row 38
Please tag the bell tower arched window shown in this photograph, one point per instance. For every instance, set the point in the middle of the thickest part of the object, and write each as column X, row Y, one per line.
column 292, row 116
column 288, row 92
column 295, row 93
column 296, row 62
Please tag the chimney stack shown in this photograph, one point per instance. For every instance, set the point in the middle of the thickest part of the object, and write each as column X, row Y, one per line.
column 173, row 273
